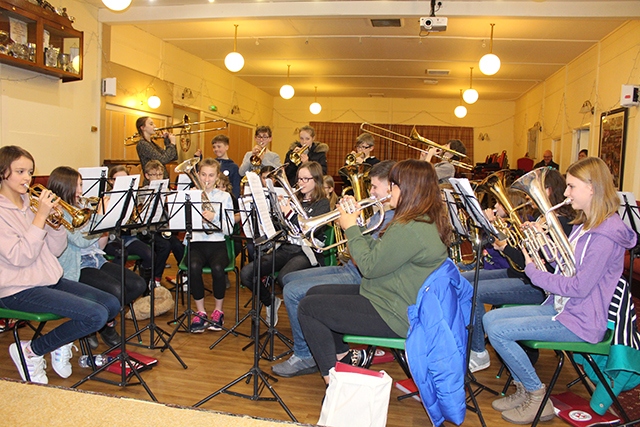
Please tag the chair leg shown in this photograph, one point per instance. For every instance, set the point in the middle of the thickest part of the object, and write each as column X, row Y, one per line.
column 237, row 273
column 23, row 360
column 552, row 383
column 582, row 377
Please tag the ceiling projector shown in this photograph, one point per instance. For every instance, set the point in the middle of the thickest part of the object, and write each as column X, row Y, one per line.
column 433, row 24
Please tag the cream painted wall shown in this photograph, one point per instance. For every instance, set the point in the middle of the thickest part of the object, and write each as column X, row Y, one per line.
column 208, row 84
column 51, row 119
column 597, row 76
column 491, row 117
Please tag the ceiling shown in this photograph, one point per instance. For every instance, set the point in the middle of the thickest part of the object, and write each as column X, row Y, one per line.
column 333, row 46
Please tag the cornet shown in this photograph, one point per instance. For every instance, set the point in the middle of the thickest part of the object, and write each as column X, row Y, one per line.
column 295, row 154
column 79, row 217
column 310, row 225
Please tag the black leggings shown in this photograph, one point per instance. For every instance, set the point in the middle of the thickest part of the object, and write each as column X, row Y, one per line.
column 107, row 279
column 330, row 311
column 211, row 254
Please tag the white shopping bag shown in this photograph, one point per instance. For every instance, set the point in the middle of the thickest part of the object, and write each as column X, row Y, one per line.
column 356, row 397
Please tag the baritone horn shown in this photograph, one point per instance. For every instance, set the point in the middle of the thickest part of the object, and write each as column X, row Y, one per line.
column 309, row 226
column 79, row 217
column 375, row 131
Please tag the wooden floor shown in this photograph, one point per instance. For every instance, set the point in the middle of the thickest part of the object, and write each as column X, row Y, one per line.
column 210, row 370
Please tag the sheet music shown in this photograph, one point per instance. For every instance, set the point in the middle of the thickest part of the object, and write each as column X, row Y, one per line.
column 260, row 203
column 184, row 182
column 117, row 198
column 245, row 204
column 630, row 216
column 471, row 204
column 452, row 205
column 177, row 218
column 147, row 197
column 91, row 179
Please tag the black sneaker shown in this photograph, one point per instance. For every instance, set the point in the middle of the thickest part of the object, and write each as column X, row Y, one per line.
column 358, row 358
column 217, row 320
column 110, row 337
column 198, row 323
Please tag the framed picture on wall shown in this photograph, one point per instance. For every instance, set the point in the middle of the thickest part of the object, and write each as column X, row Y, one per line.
column 613, row 127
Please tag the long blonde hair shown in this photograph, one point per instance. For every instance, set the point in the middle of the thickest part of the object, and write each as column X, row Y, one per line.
column 605, row 201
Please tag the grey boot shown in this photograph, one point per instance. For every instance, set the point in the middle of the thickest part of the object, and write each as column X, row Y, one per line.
column 511, row 401
column 525, row 413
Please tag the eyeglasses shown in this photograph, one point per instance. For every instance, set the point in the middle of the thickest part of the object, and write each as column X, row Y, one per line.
column 263, row 137
column 304, row 178
column 393, row 184
column 365, row 146
column 156, row 174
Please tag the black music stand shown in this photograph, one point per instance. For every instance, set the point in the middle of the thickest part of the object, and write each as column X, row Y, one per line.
column 486, row 232
column 151, row 215
column 183, row 322
column 261, row 245
column 630, row 214
column 120, row 207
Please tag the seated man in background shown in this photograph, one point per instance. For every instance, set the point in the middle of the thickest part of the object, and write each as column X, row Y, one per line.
column 547, row 161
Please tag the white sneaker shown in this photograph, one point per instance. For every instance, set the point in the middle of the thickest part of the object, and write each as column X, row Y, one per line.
column 60, row 360
column 35, row 364
column 479, row 361
column 276, row 305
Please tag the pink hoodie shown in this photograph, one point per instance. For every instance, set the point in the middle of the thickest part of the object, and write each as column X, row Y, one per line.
column 28, row 254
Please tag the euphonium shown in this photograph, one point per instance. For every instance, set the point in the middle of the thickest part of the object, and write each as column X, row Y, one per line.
column 79, row 217
column 310, row 225
column 188, row 167
column 295, row 154
column 555, row 247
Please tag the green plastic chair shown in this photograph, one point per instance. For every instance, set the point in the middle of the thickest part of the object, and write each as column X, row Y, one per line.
column 25, row 318
column 584, row 349
column 231, row 267
column 330, row 255
column 396, row 345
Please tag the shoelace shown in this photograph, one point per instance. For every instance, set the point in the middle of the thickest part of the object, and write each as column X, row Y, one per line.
column 66, row 352
column 216, row 316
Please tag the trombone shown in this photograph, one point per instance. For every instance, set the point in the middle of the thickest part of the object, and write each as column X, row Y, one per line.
column 415, row 136
column 185, row 127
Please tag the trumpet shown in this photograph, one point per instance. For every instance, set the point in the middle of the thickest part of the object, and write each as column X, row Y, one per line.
column 295, row 154
column 256, row 159
column 309, row 226
column 79, row 217
column 367, row 127
column 185, row 127
column 352, row 158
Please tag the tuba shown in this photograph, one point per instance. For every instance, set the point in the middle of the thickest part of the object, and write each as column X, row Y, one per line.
column 553, row 244
column 79, row 217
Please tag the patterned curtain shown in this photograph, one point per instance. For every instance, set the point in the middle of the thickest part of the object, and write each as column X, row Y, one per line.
column 341, row 138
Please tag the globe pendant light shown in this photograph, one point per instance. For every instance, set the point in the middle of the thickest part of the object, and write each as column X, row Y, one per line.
column 153, row 102
column 287, row 91
column 470, row 95
column 315, row 106
column 460, row 111
column 117, row 5
column 490, row 63
column 234, row 61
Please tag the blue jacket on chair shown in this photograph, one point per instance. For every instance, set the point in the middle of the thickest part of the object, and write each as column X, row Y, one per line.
column 436, row 344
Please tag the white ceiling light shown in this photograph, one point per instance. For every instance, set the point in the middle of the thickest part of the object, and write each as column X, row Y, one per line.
column 470, row 95
column 153, row 102
column 460, row 111
column 234, row 61
column 490, row 63
column 315, row 106
column 117, row 5
column 287, row 91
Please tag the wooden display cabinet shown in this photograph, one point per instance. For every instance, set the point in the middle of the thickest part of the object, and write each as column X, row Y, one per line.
column 46, row 41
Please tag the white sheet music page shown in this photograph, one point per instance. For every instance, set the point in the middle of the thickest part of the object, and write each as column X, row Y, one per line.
column 260, row 203
column 452, row 206
column 116, row 202
column 157, row 185
column 90, row 180
column 631, row 217
column 177, row 220
column 468, row 197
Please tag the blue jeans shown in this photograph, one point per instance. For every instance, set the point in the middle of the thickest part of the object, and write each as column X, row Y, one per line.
column 297, row 283
column 87, row 308
column 495, row 287
column 506, row 326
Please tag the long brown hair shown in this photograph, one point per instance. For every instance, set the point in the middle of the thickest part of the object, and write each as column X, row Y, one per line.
column 555, row 182
column 420, row 198
column 605, row 200
column 315, row 170
column 63, row 182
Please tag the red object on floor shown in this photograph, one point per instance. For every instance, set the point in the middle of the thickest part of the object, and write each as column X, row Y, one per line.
column 408, row 386
column 381, row 355
column 576, row 411
column 141, row 361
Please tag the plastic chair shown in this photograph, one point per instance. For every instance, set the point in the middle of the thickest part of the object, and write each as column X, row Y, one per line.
column 396, row 345
column 584, row 349
column 330, row 255
column 231, row 267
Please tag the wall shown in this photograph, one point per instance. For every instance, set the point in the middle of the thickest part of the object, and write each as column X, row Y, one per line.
column 51, row 119
column 492, row 117
column 597, row 75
